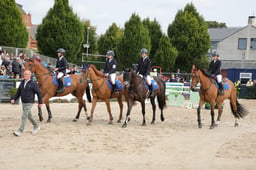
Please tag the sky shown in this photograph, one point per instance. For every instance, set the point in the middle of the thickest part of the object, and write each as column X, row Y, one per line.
column 102, row 13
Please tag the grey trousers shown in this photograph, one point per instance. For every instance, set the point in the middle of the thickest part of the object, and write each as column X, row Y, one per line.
column 27, row 115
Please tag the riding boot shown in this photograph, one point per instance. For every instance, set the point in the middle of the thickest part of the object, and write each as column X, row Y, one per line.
column 114, row 90
column 60, row 88
column 151, row 90
column 221, row 91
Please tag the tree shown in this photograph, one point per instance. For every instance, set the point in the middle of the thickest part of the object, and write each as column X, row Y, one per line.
column 60, row 28
column 155, row 34
column 189, row 35
column 165, row 55
column 110, row 40
column 215, row 24
column 13, row 33
column 135, row 37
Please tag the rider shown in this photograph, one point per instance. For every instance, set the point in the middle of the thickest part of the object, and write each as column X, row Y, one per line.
column 143, row 69
column 61, row 66
column 214, row 69
column 110, row 69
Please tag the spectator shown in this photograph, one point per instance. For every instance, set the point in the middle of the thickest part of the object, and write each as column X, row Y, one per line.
column 36, row 57
column 27, row 91
column 249, row 83
column 6, row 62
column 73, row 70
column 1, row 57
column 49, row 67
column 178, row 75
column 3, row 71
column 237, row 86
column 173, row 79
column 16, row 68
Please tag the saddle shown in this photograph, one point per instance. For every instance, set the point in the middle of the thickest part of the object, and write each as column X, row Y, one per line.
column 119, row 85
column 154, row 84
column 224, row 83
column 66, row 81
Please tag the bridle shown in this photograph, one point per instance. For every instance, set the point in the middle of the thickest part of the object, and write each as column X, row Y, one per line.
column 104, row 79
column 203, row 91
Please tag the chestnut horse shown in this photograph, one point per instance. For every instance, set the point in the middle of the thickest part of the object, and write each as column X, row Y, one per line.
column 138, row 92
column 48, row 89
column 100, row 90
column 209, row 93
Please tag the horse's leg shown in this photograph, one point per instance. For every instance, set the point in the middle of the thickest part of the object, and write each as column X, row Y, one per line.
column 119, row 99
column 40, row 114
column 129, row 108
column 201, row 103
column 81, row 104
column 212, row 103
column 94, row 101
column 219, row 112
column 107, row 101
column 143, row 112
column 152, row 100
column 49, row 112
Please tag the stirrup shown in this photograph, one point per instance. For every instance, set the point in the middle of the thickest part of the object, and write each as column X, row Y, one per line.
column 60, row 90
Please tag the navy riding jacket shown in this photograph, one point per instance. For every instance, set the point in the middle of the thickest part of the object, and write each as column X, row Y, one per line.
column 110, row 66
column 144, row 66
column 62, row 65
column 27, row 94
column 214, row 67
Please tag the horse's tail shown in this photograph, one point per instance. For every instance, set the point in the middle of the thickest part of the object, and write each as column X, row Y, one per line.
column 88, row 93
column 241, row 111
column 161, row 98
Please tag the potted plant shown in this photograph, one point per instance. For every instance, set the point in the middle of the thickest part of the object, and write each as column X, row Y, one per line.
column 12, row 92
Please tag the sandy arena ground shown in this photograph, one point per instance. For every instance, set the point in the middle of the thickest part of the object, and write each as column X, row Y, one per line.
column 176, row 143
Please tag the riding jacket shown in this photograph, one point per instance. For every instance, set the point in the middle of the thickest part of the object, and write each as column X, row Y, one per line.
column 110, row 66
column 214, row 67
column 144, row 65
column 62, row 64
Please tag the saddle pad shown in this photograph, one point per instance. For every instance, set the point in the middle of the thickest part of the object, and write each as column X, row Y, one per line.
column 154, row 84
column 66, row 81
column 119, row 85
column 225, row 85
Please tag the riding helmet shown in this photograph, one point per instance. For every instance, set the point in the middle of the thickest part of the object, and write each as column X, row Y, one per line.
column 110, row 52
column 143, row 51
column 61, row 50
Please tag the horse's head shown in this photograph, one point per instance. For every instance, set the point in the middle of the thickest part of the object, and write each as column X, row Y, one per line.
column 195, row 78
column 29, row 65
column 127, row 77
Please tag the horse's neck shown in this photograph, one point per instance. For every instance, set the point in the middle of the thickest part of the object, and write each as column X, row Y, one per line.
column 40, row 73
column 95, row 77
column 204, row 81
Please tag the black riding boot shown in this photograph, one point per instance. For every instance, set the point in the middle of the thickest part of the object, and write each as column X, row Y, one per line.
column 151, row 90
column 60, row 88
column 114, row 90
column 221, row 91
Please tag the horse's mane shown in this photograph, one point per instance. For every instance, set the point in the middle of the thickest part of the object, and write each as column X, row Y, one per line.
column 96, row 71
column 37, row 64
column 205, row 73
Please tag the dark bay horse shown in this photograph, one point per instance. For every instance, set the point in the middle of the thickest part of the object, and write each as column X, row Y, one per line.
column 48, row 89
column 138, row 92
column 209, row 93
column 100, row 90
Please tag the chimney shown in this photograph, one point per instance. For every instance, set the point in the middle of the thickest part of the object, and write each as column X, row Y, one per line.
column 251, row 20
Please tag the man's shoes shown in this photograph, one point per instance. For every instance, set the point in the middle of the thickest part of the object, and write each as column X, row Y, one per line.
column 17, row 133
column 35, row 130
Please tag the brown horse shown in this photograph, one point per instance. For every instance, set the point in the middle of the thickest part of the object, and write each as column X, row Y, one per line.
column 209, row 93
column 100, row 90
column 138, row 92
column 48, row 89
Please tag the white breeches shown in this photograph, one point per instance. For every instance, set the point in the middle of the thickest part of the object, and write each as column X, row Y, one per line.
column 148, row 79
column 113, row 78
column 219, row 78
column 60, row 75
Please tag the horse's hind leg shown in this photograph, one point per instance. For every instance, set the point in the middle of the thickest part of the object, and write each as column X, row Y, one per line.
column 119, row 99
column 152, row 100
column 40, row 114
column 81, row 104
column 49, row 112
column 143, row 113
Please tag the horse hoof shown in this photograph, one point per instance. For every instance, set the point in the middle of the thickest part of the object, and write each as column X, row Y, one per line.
column 41, row 119
column 200, row 126
column 162, row 119
column 110, row 123
column 49, row 121
column 153, row 122
column 143, row 124
column 88, row 124
column 236, row 124
column 212, row 127
column 124, row 126
column 75, row 120
column 119, row 121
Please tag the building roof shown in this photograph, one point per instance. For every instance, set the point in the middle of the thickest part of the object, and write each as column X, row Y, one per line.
column 218, row 34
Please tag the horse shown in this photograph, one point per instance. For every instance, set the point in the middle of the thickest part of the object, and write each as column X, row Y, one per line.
column 138, row 91
column 48, row 88
column 209, row 93
column 101, row 90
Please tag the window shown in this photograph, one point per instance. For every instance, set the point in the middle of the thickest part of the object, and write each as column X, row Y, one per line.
column 253, row 43
column 242, row 43
column 244, row 77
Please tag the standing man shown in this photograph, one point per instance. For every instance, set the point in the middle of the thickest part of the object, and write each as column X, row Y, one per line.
column 61, row 66
column 214, row 69
column 143, row 69
column 27, row 90
column 110, row 69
